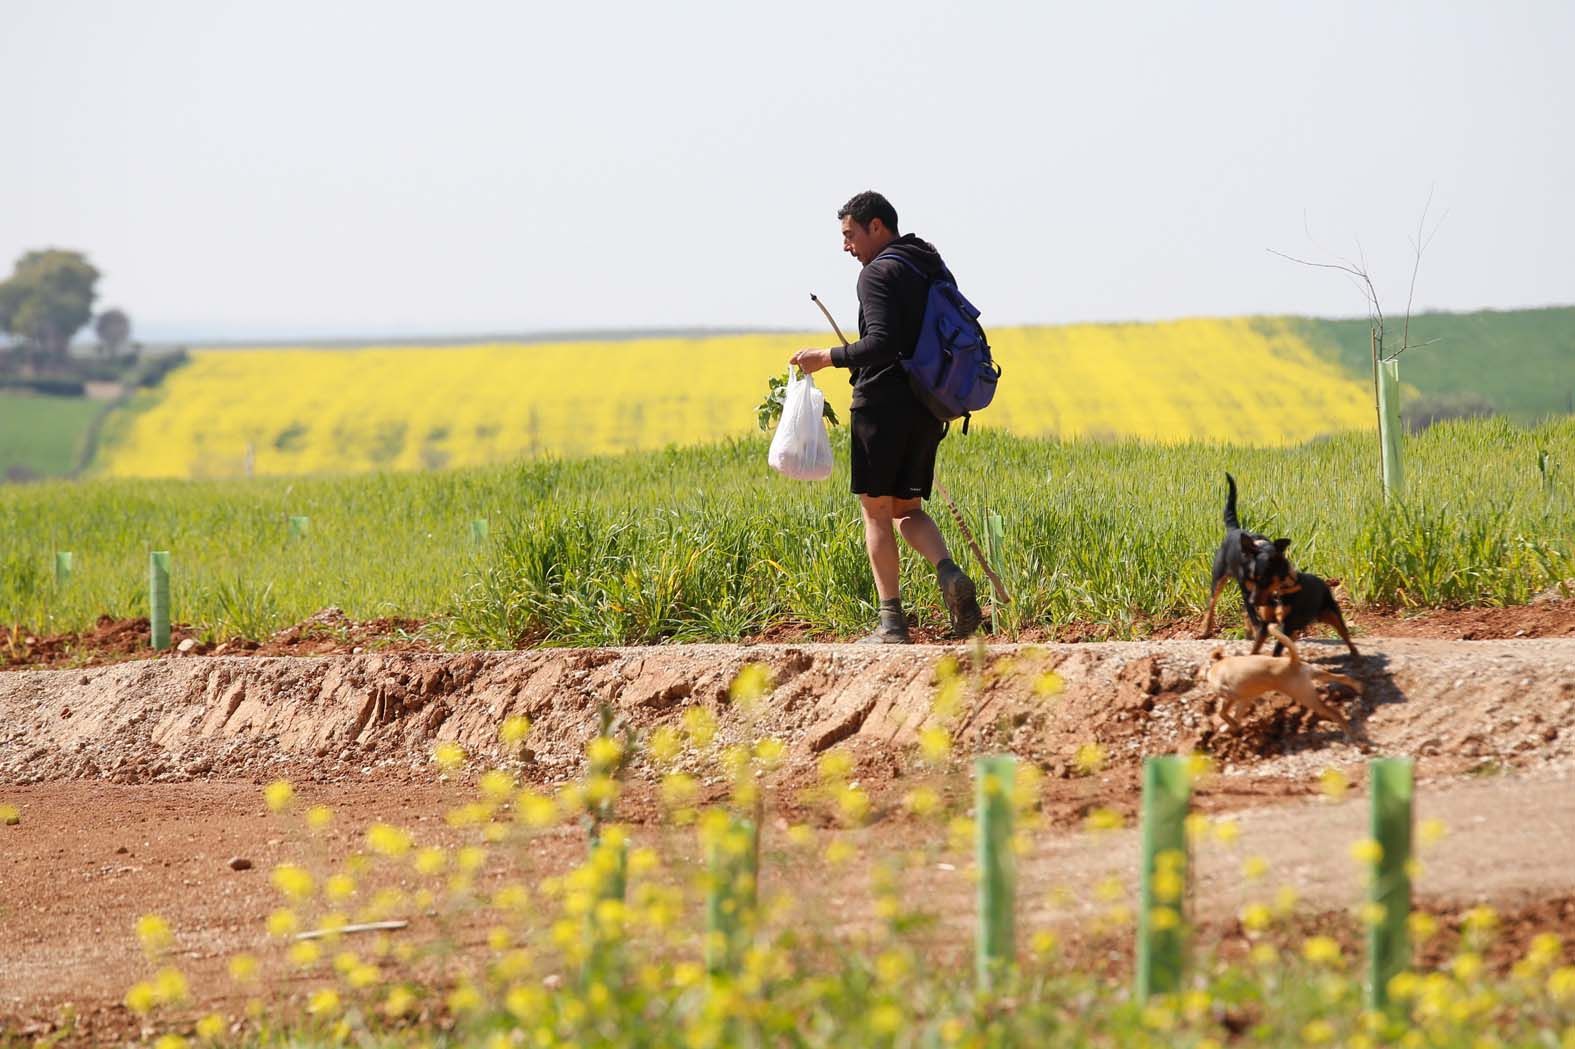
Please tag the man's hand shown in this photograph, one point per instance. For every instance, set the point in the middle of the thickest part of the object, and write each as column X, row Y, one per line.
column 811, row 361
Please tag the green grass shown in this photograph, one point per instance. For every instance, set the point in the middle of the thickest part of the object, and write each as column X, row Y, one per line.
column 708, row 544
column 43, row 435
column 1522, row 362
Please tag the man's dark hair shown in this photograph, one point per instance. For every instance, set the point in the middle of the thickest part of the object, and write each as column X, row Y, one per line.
column 870, row 205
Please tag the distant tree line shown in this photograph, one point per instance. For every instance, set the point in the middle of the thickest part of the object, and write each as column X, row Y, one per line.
column 45, row 302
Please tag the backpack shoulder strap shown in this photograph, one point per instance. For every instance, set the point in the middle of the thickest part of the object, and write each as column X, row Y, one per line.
column 905, row 261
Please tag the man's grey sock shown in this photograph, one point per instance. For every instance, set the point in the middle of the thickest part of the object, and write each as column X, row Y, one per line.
column 891, row 614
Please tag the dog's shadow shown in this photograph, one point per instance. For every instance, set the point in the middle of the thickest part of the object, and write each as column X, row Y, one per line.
column 1371, row 668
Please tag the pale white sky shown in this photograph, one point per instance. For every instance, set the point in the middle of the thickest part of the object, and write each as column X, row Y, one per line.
column 300, row 168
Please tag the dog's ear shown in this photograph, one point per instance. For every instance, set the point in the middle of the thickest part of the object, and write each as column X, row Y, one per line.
column 1282, row 545
column 1249, row 545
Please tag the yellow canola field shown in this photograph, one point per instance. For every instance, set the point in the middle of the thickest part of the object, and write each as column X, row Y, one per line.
column 306, row 410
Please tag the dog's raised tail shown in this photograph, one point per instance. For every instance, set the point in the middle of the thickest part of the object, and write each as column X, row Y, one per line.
column 1230, row 504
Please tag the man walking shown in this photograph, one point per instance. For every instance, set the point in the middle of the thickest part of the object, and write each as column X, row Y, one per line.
column 895, row 437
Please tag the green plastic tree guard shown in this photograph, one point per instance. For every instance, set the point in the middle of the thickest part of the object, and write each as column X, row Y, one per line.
column 479, row 530
column 299, row 526
column 1388, row 939
column 1389, row 429
column 62, row 567
column 159, row 598
column 996, row 948
column 1161, row 936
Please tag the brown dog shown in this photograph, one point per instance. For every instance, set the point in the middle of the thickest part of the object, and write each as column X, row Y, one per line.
column 1242, row 679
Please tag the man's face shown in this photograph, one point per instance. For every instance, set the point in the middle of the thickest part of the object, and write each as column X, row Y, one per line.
column 864, row 242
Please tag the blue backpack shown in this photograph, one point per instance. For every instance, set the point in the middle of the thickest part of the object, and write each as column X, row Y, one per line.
column 950, row 368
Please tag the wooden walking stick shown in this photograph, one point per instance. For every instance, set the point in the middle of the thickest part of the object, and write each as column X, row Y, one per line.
column 973, row 544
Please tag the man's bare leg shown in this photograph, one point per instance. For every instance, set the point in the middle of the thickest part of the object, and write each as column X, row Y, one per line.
column 919, row 530
column 881, row 544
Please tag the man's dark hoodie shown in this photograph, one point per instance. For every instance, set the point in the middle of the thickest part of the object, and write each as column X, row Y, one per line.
column 891, row 308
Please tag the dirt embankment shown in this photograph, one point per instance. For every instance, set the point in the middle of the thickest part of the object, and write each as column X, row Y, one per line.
column 1455, row 705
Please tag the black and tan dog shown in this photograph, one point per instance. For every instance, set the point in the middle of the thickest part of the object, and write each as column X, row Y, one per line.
column 1254, row 561
column 1294, row 603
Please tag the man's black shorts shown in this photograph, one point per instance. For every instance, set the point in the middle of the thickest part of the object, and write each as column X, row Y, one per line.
column 894, row 449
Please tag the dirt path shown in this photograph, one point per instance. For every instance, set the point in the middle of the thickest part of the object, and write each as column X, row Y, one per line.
column 71, row 898
column 164, row 759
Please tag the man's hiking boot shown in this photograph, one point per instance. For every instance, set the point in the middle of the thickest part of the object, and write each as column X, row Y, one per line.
column 962, row 599
column 893, row 628
column 886, row 635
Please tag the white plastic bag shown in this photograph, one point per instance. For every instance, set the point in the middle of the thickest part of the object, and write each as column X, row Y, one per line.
column 801, row 448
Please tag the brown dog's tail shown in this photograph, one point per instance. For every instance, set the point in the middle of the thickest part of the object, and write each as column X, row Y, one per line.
column 1284, row 639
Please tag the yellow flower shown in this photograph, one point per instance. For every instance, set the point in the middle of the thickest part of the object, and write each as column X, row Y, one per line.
column 448, row 756
column 429, row 860
column 387, row 840
column 801, row 835
column 10, row 815
column 1285, row 899
column 471, row 858
column 1372, row 913
column 1090, row 758
column 464, row 998
column 1110, row 889
column 1162, row 919
column 154, row 933
column 679, row 789
column 922, row 801
column 838, row 852
column 535, row 810
column 935, row 744
column 1103, row 819
column 514, row 731
column 835, row 765
column 1561, row 984
column 1333, row 783
column 243, row 968
column 1042, row 943
column 1431, row 832
column 400, row 1001
column 1321, row 950
column 141, row 998
column 1049, row 684
column 700, row 723
column 496, row 785
column 210, row 1027
column 770, row 752
column 324, row 1002
column 1421, row 925
column 1467, row 966
column 169, row 1041
column 1367, row 851
column 1227, row 831
column 293, row 881
column 853, row 804
column 169, row 984
column 1200, row 766
column 1255, row 917
column 279, row 794
column 318, row 817
column 363, row 976
column 339, row 887
column 885, row 1019
column 1479, row 920
column 1318, row 1032
column 751, row 683
column 283, row 922
column 1254, row 867
column 305, row 954
column 603, row 752
column 664, row 744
